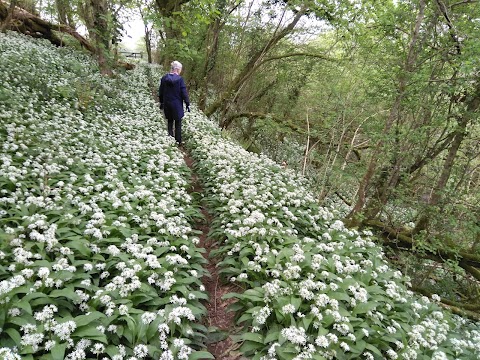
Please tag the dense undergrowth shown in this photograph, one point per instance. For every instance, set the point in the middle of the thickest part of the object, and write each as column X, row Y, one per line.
column 98, row 257
column 314, row 289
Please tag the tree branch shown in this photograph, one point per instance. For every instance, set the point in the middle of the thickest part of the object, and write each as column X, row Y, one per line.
column 402, row 241
column 253, row 64
column 305, row 54
column 30, row 24
column 463, row 3
column 466, row 310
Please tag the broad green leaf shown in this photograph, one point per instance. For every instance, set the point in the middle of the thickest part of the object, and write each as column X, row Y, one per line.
column 358, row 347
column 90, row 333
column 272, row 336
column 373, row 349
column 197, row 355
column 83, row 320
column 14, row 335
column 244, row 317
column 253, row 337
column 58, row 351
column 286, row 353
column 339, row 296
column 295, row 301
column 24, row 305
column 249, row 347
column 112, row 350
column 46, row 357
column 20, row 320
column 46, row 300
column 67, row 293
column 364, row 307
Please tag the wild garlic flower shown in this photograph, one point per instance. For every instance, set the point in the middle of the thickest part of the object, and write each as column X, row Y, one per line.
column 296, row 335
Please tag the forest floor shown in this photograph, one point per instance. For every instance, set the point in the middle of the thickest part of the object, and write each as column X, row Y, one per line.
column 219, row 321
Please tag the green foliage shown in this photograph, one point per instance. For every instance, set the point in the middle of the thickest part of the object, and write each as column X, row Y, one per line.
column 97, row 253
column 313, row 288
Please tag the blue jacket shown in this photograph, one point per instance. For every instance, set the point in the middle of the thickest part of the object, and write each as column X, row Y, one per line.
column 172, row 93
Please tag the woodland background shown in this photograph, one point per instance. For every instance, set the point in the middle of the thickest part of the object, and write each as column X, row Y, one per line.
column 377, row 102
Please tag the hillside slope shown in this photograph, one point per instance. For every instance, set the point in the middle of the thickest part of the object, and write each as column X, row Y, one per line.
column 98, row 256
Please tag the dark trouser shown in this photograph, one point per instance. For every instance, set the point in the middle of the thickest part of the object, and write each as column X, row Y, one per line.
column 178, row 129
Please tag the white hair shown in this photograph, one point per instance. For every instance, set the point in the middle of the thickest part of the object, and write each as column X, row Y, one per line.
column 176, row 65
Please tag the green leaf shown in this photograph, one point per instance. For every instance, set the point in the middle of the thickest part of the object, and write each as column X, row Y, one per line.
column 58, row 351
column 152, row 329
column 19, row 320
column 231, row 295
column 24, row 305
column 339, row 296
column 197, row 355
column 196, row 310
column 128, row 335
column 83, row 320
column 249, row 347
column 295, row 301
column 272, row 336
column 3, row 314
column 286, row 353
column 364, row 307
column 358, row 347
column 253, row 337
column 90, row 333
column 112, row 350
column 67, row 293
column 46, row 357
column 14, row 335
column 307, row 320
column 244, row 317
column 373, row 349
column 42, row 301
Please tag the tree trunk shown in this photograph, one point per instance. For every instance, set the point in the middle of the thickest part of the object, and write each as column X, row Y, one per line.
column 6, row 15
column 148, row 44
column 168, row 9
column 148, row 36
column 473, row 104
column 393, row 117
column 210, row 58
column 253, row 65
column 398, row 240
column 63, row 12
column 101, row 34
column 32, row 25
column 211, row 49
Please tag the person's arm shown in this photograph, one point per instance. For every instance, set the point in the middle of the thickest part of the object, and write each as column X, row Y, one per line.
column 184, row 92
column 160, row 93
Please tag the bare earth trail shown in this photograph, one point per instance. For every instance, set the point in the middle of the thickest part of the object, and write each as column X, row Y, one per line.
column 219, row 321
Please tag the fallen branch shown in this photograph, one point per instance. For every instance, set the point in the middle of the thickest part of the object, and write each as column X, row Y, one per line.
column 465, row 310
column 398, row 240
column 29, row 24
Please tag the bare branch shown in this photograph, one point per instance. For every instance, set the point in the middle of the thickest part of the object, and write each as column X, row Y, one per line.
column 305, row 54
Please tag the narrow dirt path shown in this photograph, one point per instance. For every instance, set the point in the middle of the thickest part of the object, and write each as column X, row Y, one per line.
column 219, row 321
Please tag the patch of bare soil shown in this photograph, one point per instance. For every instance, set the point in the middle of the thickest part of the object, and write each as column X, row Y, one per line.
column 219, row 321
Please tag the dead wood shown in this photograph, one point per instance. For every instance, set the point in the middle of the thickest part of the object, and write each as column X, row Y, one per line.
column 400, row 240
column 29, row 24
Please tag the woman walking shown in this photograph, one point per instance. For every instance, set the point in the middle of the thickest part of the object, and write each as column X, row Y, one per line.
column 172, row 94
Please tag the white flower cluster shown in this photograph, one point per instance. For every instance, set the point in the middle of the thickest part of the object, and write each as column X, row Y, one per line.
column 316, row 286
column 94, row 209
